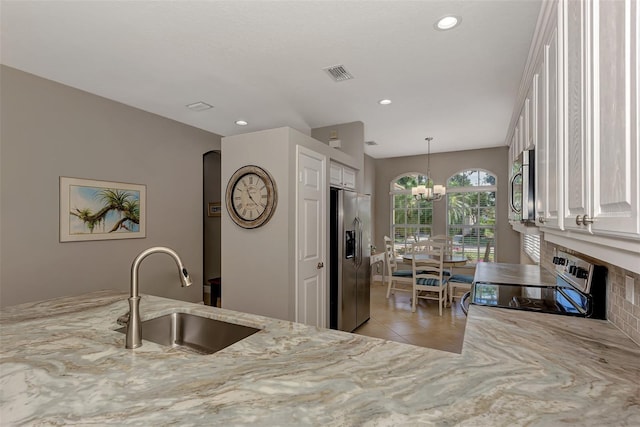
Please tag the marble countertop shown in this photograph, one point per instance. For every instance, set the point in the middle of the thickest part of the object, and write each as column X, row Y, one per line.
column 62, row 363
column 512, row 274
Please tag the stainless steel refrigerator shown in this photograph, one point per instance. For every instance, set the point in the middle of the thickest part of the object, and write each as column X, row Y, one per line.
column 350, row 252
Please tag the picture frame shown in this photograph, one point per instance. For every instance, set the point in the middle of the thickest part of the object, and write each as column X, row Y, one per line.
column 101, row 210
column 214, row 209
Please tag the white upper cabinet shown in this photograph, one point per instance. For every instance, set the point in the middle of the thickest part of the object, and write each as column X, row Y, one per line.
column 540, row 140
column 615, row 205
column 583, row 118
column 335, row 174
column 575, row 113
column 342, row 176
column 587, row 155
column 550, row 193
column 530, row 119
column 349, row 178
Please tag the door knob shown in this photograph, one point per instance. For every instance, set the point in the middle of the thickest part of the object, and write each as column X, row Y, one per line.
column 320, row 265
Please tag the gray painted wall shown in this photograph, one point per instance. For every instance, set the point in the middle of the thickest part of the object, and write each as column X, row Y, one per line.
column 51, row 130
column 444, row 165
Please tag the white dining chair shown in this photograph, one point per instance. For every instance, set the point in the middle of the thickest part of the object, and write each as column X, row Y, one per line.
column 397, row 280
column 429, row 281
column 446, row 240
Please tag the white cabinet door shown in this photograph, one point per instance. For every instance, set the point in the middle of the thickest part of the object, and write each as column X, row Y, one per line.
column 342, row 176
column 541, row 141
column 348, row 178
column 552, row 152
column 335, row 174
column 575, row 114
column 530, row 119
column 615, row 118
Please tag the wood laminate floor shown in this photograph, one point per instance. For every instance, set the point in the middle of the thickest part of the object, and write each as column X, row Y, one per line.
column 391, row 319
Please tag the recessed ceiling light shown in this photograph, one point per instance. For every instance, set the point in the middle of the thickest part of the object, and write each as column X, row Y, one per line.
column 242, row 122
column 199, row 106
column 384, row 102
column 447, row 22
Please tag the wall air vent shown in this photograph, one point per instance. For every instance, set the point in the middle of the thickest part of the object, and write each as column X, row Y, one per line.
column 370, row 143
column 338, row 73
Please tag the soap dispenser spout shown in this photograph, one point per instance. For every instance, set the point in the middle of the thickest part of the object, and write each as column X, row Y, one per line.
column 134, row 326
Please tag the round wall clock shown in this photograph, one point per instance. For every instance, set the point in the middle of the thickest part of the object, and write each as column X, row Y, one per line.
column 251, row 196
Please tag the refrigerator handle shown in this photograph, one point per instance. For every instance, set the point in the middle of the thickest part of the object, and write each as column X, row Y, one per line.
column 359, row 242
column 354, row 224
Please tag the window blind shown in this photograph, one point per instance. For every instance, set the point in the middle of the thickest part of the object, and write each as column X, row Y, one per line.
column 531, row 245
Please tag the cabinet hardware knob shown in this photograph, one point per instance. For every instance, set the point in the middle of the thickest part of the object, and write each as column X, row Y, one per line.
column 586, row 220
column 541, row 219
column 578, row 220
column 320, row 265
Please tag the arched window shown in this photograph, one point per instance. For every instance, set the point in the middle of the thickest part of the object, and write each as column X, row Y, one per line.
column 471, row 214
column 411, row 219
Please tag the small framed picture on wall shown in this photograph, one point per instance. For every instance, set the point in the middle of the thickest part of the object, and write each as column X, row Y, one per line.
column 101, row 210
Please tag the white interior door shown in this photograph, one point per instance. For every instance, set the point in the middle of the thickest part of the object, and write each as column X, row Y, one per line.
column 311, row 226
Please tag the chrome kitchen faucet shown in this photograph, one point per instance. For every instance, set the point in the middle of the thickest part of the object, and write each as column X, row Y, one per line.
column 134, row 327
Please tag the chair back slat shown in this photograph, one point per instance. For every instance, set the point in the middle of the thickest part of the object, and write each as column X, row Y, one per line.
column 391, row 258
column 428, row 273
column 446, row 240
column 427, row 261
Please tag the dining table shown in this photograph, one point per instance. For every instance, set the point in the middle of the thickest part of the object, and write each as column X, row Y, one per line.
column 448, row 261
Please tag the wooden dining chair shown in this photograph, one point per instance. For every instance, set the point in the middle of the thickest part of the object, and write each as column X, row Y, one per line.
column 429, row 281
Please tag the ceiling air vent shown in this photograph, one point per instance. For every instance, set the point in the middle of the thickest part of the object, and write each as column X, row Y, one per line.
column 338, row 73
column 370, row 143
column 199, row 106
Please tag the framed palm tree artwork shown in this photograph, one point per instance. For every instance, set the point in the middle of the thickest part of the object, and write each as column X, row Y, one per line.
column 101, row 210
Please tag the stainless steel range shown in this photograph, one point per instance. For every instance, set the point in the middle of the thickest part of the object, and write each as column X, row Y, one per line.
column 578, row 288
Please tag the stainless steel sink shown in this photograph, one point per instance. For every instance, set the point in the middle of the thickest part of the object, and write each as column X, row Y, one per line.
column 193, row 333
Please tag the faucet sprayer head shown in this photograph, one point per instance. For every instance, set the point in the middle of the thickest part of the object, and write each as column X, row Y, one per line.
column 186, row 279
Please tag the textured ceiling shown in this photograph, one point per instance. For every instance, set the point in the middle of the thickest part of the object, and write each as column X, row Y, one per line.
column 262, row 61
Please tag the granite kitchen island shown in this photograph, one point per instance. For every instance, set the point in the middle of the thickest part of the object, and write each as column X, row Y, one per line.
column 63, row 363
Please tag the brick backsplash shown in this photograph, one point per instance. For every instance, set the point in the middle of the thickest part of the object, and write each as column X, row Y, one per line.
column 622, row 313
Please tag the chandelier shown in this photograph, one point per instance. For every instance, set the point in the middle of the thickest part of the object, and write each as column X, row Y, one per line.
column 429, row 192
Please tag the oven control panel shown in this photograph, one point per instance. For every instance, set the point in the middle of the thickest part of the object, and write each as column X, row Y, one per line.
column 574, row 270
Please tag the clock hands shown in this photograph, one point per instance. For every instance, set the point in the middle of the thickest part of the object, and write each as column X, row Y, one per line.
column 253, row 200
